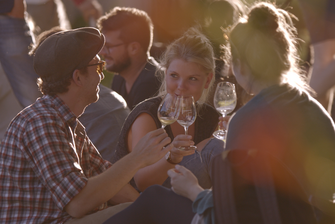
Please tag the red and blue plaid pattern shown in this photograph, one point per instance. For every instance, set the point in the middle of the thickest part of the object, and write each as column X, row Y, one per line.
column 45, row 160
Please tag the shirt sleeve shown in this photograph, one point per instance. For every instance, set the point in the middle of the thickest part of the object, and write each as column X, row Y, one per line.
column 204, row 205
column 50, row 145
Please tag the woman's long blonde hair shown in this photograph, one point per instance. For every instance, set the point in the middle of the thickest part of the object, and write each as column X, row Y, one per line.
column 193, row 46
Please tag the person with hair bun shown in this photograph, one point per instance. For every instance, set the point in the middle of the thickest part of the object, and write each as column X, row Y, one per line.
column 187, row 69
column 282, row 120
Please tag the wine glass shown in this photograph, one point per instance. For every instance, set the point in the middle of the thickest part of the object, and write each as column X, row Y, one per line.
column 225, row 102
column 168, row 110
column 187, row 116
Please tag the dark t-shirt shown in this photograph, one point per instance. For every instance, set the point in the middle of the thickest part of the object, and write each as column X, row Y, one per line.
column 146, row 85
column 294, row 127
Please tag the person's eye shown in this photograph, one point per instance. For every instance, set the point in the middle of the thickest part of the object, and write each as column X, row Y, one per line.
column 173, row 75
column 193, row 79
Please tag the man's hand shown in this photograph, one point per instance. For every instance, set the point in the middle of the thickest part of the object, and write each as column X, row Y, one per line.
column 184, row 182
column 150, row 148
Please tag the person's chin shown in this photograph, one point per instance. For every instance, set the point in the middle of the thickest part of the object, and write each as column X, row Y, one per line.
column 97, row 95
column 96, row 99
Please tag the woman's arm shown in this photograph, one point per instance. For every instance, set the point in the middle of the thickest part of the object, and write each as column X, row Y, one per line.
column 127, row 194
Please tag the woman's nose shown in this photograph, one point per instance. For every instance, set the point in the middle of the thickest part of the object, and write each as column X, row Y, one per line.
column 181, row 84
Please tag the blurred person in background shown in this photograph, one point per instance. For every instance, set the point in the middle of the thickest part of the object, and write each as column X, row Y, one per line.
column 47, row 14
column 319, row 17
column 219, row 17
column 129, row 36
column 15, row 39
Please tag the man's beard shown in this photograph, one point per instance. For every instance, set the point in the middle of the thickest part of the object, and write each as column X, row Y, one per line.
column 119, row 67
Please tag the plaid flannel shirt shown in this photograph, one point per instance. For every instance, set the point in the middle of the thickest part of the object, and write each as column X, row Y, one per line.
column 45, row 160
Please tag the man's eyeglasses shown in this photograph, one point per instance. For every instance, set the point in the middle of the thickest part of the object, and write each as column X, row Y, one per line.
column 100, row 66
column 109, row 47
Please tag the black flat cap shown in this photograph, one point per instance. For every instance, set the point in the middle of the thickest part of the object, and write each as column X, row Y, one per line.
column 63, row 52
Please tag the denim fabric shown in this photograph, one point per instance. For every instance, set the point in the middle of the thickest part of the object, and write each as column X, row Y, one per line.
column 8, row 104
column 200, row 163
column 15, row 39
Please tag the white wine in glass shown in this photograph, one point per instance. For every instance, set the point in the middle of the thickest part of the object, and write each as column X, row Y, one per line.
column 168, row 110
column 187, row 116
column 225, row 100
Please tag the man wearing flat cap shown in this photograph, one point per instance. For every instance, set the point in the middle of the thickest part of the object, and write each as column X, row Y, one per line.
column 50, row 172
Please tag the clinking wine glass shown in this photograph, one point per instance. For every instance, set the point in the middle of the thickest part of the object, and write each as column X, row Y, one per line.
column 225, row 102
column 187, row 116
column 168, row 110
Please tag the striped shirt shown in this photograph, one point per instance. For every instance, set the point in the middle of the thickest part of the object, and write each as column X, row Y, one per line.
column 46, row 159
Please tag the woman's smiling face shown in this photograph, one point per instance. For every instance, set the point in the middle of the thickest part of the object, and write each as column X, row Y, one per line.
column 186, row 79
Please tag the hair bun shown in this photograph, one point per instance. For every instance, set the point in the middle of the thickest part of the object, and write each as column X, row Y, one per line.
column 193, row 31
column 263, row 18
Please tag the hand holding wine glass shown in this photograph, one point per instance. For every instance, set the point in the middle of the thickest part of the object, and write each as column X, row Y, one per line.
column 168, row 110
column 225, row 102
column 187, row 116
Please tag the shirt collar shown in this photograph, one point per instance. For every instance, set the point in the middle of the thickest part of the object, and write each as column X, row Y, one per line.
column 58, row 104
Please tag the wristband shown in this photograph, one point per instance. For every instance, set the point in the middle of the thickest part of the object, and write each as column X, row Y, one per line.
column 168, row 158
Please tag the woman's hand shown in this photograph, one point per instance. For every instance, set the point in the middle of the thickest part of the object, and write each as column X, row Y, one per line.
column 179, row 141
column 184, row 182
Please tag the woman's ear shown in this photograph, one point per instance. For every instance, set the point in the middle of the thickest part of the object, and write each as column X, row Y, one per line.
column 209, row 79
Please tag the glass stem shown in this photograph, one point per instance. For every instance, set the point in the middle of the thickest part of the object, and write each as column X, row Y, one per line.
column 163, row 125
column 219, row 129
column 186, row 130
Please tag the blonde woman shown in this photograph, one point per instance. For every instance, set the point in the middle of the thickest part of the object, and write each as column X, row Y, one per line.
column 187, row 69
